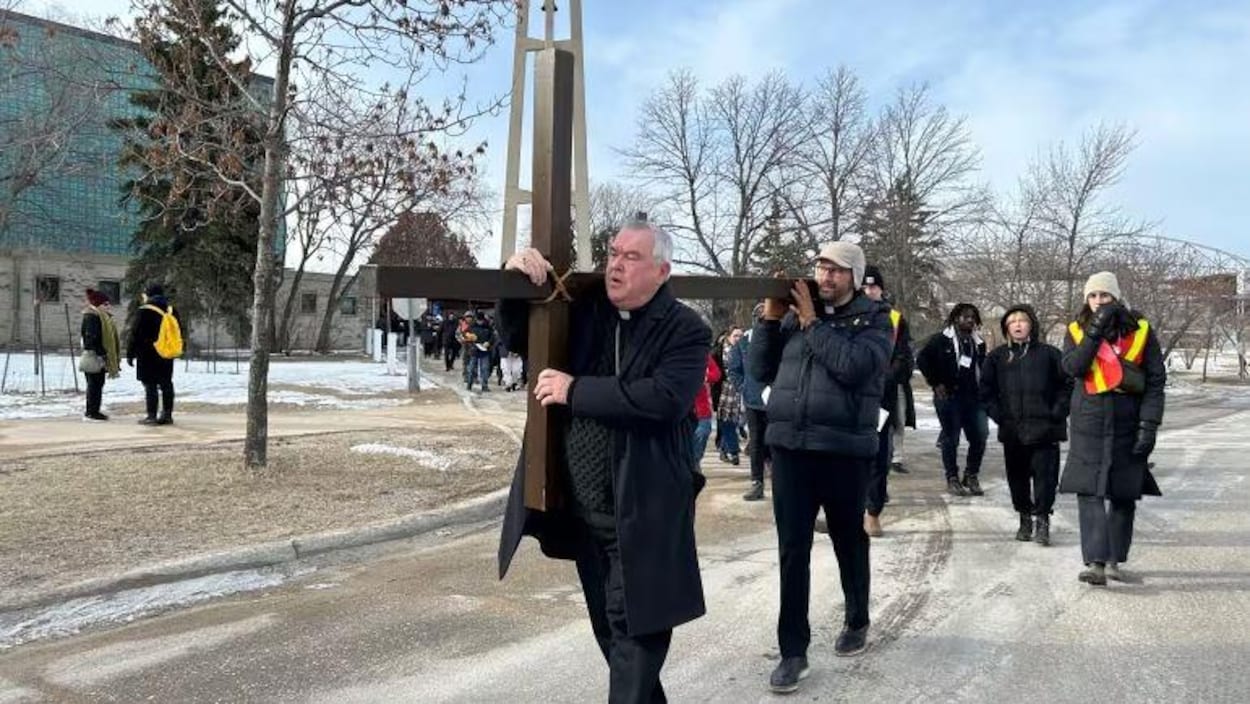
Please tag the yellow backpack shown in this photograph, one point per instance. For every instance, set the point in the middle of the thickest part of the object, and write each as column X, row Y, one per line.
column 169, row 340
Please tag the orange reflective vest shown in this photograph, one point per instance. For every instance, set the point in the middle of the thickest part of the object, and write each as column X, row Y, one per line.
column 1105, row 374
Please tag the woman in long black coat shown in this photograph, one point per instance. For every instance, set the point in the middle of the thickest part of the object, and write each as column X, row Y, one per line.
column 1113, row 425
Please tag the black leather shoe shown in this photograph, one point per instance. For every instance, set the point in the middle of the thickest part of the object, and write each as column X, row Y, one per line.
column 852, row 641
column 786, row 676
column 899, row 467
column 147, row 421
column 955, row 488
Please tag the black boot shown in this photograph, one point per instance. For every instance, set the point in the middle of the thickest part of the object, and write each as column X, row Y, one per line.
column 1042, row 534
column 1025, row 533
column 973, row 485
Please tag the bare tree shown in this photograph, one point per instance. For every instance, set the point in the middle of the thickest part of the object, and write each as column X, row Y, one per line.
column 715, row 160
column 921, row 142
column 1071, row 189
column 612, row 204
column 321, row 52
column 310, row 236
column 827, row 179
column 387, row 166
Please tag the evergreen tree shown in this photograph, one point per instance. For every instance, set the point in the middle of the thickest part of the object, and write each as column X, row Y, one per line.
column 898, row 237
column 781, row 251
column 196, row 239
column 422, row 239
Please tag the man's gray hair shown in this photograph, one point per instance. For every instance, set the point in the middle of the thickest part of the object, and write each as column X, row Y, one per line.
column 662, row 250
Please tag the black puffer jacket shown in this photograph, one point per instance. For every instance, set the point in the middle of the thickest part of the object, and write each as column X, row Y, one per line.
column 827, row 380
column 1024, row 388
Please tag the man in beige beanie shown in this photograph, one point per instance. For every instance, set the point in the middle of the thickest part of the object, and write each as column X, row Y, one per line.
column 826, row 359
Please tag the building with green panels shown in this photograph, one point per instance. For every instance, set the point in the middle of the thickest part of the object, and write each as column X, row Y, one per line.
column 59, row 88
column 64, row 226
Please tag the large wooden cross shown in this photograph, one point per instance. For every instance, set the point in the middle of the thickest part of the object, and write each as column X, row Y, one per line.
column 552, row 235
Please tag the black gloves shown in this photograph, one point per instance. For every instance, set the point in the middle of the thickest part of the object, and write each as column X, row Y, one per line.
column 1103, row 319
column 1145, row 442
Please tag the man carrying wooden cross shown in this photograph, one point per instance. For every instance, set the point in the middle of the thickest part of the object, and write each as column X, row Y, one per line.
column 637, row 359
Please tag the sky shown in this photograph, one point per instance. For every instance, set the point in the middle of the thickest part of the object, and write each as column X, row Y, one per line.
column 1024, row 75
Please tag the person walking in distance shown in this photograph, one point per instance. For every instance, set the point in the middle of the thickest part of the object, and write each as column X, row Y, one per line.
column 1117, row 405
column 897, row 411
column 101, row 351
column 752, row 392
column 1026, row 392
column 636, row 362
column 826, row 360
column 154, row 371
column 951, row 362
column 703, row 412
column 729, row 411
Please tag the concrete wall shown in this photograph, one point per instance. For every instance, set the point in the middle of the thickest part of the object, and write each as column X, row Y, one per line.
column 19, row 272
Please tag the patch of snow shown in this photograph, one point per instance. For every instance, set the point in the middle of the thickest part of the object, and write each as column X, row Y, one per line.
column 73, row 616
column 323, row 382
column 425, row 457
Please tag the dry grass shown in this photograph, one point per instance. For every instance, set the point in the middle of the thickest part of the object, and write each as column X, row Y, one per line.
column 72, row 517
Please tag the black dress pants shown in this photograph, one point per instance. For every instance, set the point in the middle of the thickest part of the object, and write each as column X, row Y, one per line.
column 757, row 425
column 877, row 495
column 95, row 393
column 1032, row 464
column 804, row 482
column 634, row 662
column 164, row 402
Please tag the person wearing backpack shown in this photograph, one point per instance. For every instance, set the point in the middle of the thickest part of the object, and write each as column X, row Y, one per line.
column 155, row 341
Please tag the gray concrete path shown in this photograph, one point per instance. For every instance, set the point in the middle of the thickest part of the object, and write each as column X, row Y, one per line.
column 961, row 612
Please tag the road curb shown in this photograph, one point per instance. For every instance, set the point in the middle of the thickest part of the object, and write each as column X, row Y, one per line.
column 269, row 553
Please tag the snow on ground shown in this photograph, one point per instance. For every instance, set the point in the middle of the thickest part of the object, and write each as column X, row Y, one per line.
column 323, row 382
column 73, row 616
column 425, row 457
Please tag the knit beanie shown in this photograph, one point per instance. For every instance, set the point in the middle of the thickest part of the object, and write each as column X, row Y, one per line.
column 847, row 256
column 96, row 298
column 1104, row 281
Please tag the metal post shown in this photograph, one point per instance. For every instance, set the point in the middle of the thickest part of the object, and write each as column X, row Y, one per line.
column 69, row 331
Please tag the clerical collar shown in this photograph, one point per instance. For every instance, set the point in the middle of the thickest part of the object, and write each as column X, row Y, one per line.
column 624, row 314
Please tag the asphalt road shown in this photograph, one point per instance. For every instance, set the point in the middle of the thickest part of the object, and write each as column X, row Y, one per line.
column 961, row 612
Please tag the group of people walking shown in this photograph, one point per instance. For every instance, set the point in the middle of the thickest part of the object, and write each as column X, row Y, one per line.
column 822, row 382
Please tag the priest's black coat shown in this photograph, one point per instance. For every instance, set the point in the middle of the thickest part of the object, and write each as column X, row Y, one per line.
column 649, row 408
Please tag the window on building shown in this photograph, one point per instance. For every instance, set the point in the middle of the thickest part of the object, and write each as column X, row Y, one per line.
column 48, row 289
column 308, row 303
column 112, row 289
column 347, row 305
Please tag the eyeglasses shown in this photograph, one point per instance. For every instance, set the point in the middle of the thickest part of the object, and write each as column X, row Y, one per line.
column 829, row 268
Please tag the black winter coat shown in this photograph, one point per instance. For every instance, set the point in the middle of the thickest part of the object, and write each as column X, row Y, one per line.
column 92, row 332
column 902, row 364
column 1025, row 390
column 650, row 409
column 1104, row 426
column 938, row 360
column 150, row 367
column 826, row 380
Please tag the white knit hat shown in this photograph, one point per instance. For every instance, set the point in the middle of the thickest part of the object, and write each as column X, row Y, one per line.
column 847, row 256
column 1104, row 281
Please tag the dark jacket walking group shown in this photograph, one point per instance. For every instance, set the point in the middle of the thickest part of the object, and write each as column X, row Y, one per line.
column 623, row 502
